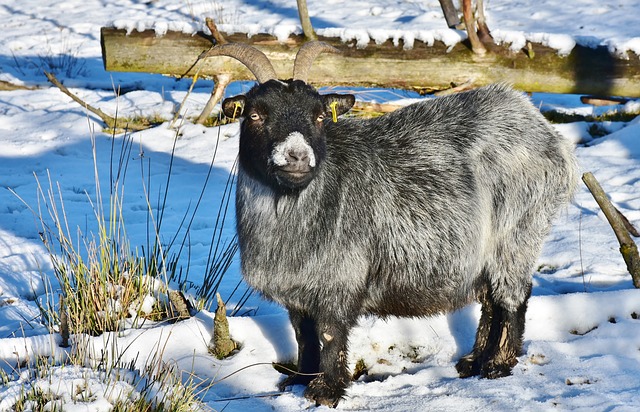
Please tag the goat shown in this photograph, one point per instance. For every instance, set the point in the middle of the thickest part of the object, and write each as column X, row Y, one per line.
column 414, row 213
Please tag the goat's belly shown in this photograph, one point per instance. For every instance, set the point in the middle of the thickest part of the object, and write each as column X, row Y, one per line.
column 417, row 299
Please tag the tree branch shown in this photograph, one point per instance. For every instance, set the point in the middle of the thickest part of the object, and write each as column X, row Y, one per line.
column 111, row 122
column 628, row 248
column 222, row 81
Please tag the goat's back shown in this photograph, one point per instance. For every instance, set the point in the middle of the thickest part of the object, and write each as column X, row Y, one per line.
column 409, row 209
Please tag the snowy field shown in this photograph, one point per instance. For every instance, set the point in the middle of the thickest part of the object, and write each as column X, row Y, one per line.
column 582, row 339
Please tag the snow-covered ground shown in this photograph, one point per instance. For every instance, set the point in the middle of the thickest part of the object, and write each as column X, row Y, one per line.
column 582, row 341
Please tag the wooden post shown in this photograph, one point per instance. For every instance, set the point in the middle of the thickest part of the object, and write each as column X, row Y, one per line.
column 483, row 30
column 222, row 81
column 305, row 20
column 470, row 25
column 628, row 248
column 450, row 13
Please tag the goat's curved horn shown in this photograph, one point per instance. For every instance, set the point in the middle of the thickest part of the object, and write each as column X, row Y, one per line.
column 255, row 60
column 306, row 55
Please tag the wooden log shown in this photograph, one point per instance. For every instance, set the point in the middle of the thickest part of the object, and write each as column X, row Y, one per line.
column 628, row 248
column 423, row 68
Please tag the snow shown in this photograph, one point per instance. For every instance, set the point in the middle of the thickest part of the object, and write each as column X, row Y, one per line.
column 583, row 324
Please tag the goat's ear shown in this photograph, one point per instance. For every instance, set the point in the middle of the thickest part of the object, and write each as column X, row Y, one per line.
column 337, row 104
column 233, row 106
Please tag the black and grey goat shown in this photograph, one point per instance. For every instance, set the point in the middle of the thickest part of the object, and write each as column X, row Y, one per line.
column 413, row 213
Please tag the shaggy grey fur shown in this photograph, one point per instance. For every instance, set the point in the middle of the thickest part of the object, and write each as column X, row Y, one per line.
column 411, row 214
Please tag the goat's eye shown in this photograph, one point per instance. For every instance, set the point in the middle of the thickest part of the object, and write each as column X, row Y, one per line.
column 320, row 118
column 254, row 116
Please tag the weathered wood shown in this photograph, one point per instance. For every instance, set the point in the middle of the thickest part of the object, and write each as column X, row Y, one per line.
column 179, row 308
column 628, row 248
column 450, row 13
column 602, row 100
column 222, row 80
column 110, row 122
column 422, row 68
column 305, row 20
column 470, row 25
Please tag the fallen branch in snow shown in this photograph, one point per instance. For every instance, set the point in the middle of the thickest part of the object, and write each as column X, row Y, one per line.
column 627, row 224
column 8, row 86
column 110, row 121
column 628, row 248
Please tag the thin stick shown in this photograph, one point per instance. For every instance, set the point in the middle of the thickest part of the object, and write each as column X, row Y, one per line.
column 217, row 36
column 108, row 120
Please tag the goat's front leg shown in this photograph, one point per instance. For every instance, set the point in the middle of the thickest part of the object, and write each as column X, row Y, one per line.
column 328, row 388
column 308, row 350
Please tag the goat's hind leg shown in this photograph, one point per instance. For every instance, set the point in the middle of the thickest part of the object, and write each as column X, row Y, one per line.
column 504, row 344
column 470, row 364
column 499, row 336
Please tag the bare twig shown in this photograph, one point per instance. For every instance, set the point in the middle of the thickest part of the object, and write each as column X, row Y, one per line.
column 111, row 122
column 628, row 225
column 221, row 80
column 8, row 86
column 376, row 107
column 217, row 36
column 628, row 248
column 468, row 85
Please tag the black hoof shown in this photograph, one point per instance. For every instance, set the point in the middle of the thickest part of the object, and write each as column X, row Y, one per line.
column 492, row 370
column 294, row 379
column 468, row 366
column 322, row 394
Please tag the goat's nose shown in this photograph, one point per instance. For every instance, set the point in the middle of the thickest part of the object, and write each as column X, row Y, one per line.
column 297, row 156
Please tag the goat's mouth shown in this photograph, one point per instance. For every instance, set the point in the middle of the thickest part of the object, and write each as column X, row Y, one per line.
column 294, row 176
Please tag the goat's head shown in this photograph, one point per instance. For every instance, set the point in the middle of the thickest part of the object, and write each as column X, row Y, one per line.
column 282, row 135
